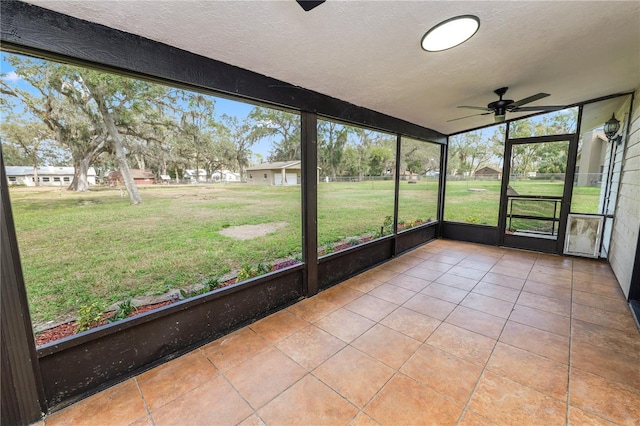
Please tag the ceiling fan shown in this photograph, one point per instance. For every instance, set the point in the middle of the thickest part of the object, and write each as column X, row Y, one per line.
column 500, row 107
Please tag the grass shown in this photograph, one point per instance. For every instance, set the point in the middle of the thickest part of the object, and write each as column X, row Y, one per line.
column 79, row 249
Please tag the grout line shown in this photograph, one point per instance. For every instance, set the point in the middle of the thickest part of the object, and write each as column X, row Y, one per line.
column 144, row 401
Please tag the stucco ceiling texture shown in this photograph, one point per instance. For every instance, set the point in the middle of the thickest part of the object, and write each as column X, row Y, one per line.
column 368, row 52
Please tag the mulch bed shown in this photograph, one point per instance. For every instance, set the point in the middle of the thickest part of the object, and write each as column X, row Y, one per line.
column 69, row 329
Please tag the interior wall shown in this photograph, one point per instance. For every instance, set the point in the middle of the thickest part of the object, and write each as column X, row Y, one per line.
column 624, row 239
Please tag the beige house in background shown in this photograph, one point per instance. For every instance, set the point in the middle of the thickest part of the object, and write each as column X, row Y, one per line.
column 590, row 161
column 281, row 173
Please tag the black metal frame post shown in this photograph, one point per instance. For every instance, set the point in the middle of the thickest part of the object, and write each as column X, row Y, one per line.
column 23, row 399
column 442, row 182
column 309, row 135
column 506, row 171
column 396, row 198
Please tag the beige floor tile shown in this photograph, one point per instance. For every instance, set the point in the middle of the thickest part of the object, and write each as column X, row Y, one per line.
column 424, row 273
column 312, row 309
column 143, row 421
column 310, row 346
column 392, row 293
column 503, row 280
column 371, row 307
column 409, row 282
column 608, row 338
column 446, row 373
column 170, row 380
column 462, row 343
column 480, row 266
column 545, row 303
column 252, row 420
column 295, row 406
column 214, row 402
column 623, row 322
column 354, row 375
column 609, row 304
column 539, row 373
column 488, row 305
column 339, row 295
column 471, row 418
column 457, row 281
column 514, row 272
column 362, row 284
column 450, row 259
column 540, row 342
column 427, row 305
column 363, row 420
column 386, row 345
column 344, row 324
column 404, row 401
column 603, row 398
column 552, row 280
column 506, row 402
column 119, row 405
column 497, row 291
column 234, row 348
column 550, row 269
column 471, row 274
column 611, row 365
column 411, row 323
column 261, row 378
column 553, row 291
column 578, row 417
column 445, row 292
column 277, row 326
column 542, row 320
column 477, row 321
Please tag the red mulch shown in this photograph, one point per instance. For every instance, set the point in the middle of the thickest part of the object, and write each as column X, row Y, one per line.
column 69, row 329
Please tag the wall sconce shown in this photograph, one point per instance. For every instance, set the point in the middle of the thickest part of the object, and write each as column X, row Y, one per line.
column 611, row 127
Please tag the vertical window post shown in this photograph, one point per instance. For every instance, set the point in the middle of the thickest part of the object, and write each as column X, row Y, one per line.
column 309, row 141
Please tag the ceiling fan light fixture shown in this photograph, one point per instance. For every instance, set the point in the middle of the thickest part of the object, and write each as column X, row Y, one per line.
column 450, row 33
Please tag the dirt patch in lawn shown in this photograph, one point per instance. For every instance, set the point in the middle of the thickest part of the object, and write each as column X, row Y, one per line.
column 247, row 232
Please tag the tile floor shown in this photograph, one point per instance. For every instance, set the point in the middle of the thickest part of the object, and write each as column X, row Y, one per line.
column 451, row 333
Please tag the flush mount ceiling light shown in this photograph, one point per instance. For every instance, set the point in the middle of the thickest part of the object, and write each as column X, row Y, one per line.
column 450, row 33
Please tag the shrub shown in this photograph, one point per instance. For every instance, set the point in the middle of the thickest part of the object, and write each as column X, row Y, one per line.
column 124, row 310
column 89, row 316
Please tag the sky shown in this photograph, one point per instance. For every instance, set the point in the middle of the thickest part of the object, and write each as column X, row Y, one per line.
column 222, row 106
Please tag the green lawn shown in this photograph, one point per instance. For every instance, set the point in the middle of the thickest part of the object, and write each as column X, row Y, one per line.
column 77, row 249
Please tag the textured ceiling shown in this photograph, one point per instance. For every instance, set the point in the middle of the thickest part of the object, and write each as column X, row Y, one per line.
column 368, row 52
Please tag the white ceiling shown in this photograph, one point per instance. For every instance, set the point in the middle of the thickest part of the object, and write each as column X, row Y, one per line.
column 368, row 52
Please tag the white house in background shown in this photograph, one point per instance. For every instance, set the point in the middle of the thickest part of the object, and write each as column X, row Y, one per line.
column 281, row 173
column 225, row 176
column 47, row 175
column 193, row 175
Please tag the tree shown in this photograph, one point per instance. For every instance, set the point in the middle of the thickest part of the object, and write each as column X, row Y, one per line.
column 58, row 103
column 471, row 151
column 284, row 126
column 332, row 138
column 30, row 139
column 242, row 138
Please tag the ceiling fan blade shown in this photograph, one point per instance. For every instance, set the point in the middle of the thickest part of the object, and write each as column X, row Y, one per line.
column 533, row 98
column 469, row 116
column 474, row 107
column 539, row 108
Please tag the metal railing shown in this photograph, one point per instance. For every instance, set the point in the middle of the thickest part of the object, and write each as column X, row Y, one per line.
column 538, row 215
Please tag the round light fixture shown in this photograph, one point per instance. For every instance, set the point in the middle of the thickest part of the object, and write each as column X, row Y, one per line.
column 450, row 33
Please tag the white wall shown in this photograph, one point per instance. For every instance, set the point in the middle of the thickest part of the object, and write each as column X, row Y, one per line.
column 622, row 251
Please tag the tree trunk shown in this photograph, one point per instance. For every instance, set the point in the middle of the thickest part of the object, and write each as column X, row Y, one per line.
column 36, row 181
column 81, row 166
column 82, row 179
column 132, row 189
